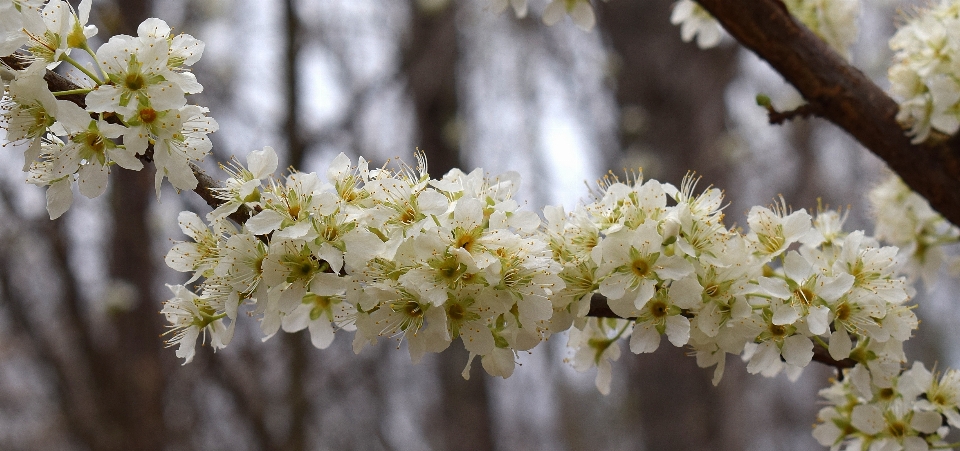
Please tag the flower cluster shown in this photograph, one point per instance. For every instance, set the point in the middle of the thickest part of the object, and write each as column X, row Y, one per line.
column 135, row 106
column 834, row 21
column 392, row 252
column 386, row 252
column 923, row 75
column 395, row 253
column 771, row 294
column 905, row 219
column 912, row 410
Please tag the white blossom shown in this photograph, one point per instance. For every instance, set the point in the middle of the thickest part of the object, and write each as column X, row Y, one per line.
column 696, row 21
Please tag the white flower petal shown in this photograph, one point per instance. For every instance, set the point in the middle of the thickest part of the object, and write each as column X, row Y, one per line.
column 797, row 350
column 645, row 338
column 321, row 333
column 840, row 345
column 59, row 197
column 678, row 330
column 264, row 222
column 499, row 363
column 868, row 418
column 817, row 319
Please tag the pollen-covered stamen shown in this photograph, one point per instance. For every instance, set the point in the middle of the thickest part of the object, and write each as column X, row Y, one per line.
column 843, row 312
column 413, row 314
column 804, row 296
column 467, row 239
column 777, row 331
column 658, row 309
column 147, row 115
column 772, row 243
column 640, row 268
column 449, row 269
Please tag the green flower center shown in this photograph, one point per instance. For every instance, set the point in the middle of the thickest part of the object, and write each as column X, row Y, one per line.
column 640, row 268
column 134, row 81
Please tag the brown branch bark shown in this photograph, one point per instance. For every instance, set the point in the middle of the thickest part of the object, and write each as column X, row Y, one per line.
column 843, row 95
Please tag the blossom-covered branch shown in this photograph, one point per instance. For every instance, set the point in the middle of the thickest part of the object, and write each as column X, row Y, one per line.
column 396, row 253
column 843, row 95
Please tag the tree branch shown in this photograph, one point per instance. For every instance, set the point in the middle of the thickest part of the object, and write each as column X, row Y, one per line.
column 206, row 185
column 834, row 89
column 843, row 95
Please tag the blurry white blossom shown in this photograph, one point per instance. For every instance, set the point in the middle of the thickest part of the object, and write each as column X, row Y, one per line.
column 923, row 76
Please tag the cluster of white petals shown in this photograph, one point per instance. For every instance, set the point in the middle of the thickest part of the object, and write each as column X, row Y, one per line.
column 905, row 219
column 662, row 257
column 135, row 111
column 394, row 253
column 913, row 410
column 388, row 253
column 923, row 75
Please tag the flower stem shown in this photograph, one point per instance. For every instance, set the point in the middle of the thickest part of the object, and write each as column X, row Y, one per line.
column 72, row 91
column 86, row 48
column 79, row 66
column 820, row 341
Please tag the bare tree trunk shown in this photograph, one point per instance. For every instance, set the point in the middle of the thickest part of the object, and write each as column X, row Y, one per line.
column 429, row 64
column 132, row 379
column 677, row 87
column 295, row 344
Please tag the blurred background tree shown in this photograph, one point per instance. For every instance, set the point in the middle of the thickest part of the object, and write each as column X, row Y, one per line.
column 82, row 366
